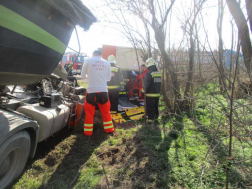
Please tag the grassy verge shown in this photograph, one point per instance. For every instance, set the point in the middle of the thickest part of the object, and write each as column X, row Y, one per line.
column 184, row 151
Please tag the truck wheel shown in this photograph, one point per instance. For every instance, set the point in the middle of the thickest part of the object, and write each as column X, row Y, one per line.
column 13, row 156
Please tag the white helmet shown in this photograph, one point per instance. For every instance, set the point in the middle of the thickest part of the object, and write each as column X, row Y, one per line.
column 150, row 62
column 111, row 59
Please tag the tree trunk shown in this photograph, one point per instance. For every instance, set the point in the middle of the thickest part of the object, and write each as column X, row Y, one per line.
column 160, row 36
column 222, row 79
column 190, row 71
column 163, row 89
column 243, row 29
column 198, row 53
column 249, row 11
column 231, row 57
column 160, row 39
column 148, row 40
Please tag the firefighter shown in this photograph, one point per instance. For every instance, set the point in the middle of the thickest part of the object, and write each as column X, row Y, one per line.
column 114, row 84
column 144, row 70
column 152, row 83
column 68, row 67
column 98, row 73
column 70, row 77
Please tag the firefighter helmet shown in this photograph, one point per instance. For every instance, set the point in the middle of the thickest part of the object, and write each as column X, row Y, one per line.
column 150, row 62
column 111, row 59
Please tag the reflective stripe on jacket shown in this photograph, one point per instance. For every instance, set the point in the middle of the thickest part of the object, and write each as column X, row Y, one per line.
column 116, row 78
column 114, row 87
column 152, row 82
column 152, row 95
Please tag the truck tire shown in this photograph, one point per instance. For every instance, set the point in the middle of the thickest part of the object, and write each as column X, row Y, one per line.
column 13, row 156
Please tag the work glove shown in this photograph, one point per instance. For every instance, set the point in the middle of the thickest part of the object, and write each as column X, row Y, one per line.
column 133, row 73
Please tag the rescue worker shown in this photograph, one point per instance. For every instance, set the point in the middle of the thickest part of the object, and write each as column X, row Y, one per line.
column 144, row 70
column 70, row 77
column 98, row 73
column 114, row 84
column 69, row 68
column 152, row 83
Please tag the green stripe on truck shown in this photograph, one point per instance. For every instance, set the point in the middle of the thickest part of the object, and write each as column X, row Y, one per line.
column 19, row 24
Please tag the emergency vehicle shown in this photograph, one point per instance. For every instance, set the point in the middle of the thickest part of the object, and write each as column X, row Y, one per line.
column 69, row 58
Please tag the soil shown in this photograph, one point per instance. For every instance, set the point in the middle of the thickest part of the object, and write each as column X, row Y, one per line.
column 68, row 150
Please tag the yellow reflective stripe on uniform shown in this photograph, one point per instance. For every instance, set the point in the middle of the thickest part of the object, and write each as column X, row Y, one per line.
column 114, row 87
column 153, row 95
column 88, row 129
column 109, row 127
column 88, row 125
column 156, row 75
column 108, row 122
column 122, row 83
column 114, row 69
column 122, row 92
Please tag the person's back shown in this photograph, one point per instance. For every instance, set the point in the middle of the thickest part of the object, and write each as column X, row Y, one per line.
column 152, row 84
column 98, row 73
column 116, row 76
column 152, row 81
column 114, row 84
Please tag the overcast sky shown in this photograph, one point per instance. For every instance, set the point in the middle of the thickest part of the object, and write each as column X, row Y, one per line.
column 101, row 33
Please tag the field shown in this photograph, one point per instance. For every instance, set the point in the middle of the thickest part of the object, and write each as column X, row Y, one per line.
column 178, row 151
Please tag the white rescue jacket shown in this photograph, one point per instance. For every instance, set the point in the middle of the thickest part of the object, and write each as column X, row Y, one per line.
column 98, row 73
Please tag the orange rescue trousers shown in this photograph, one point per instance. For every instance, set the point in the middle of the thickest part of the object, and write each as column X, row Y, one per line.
column 102, row 100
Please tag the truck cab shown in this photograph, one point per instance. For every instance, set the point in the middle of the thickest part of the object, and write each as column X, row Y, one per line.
column 36, row 99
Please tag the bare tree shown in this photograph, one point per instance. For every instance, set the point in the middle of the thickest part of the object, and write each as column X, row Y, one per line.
column 243, row 29
column 154, row 14
column 160, row 36
column 249, row 11
column 198, row 52
column 231, row 55
column 192, row 31
column 222, row 80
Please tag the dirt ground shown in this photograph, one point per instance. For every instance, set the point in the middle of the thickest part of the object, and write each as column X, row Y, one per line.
column 69, row 151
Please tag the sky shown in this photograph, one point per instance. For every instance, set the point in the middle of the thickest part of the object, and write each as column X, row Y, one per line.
column 103, row 33
column 98, row 34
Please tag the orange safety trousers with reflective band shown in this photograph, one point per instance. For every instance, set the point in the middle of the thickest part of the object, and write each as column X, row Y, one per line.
column 100, row 99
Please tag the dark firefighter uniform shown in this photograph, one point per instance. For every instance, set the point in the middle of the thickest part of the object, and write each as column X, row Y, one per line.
column 114, row 86
column 152, row 83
